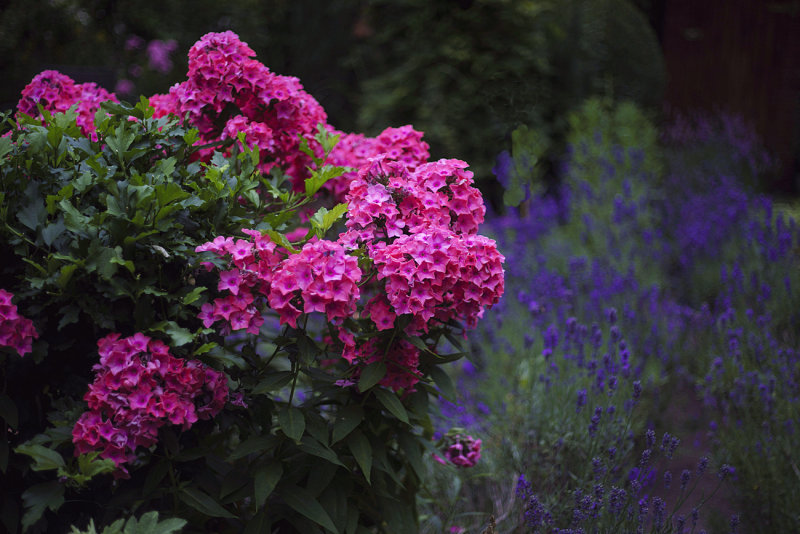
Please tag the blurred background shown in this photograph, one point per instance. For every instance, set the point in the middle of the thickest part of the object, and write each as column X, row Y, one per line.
column 466, row 72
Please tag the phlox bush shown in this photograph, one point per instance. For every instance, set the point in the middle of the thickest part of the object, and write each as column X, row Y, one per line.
column 238, row 319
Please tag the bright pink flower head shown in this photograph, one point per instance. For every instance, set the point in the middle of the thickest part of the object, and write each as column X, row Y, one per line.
column 56, row 93
column 441, row 275
column 16, row 331
column 402, row 144
column 321, row 278
column 272, row 110
column 138, row 388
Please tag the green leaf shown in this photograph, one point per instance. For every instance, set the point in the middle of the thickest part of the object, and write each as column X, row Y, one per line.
column 323, row 219
column 348, row 419
column 305, row 503
column 51, row 232
column 33, row 215
column 371, row 375
column 120, row 142
column 392, row 403
column 180, row 335
column 315, row 448
column 204, row 503
column 444, row 382
column 90, row 465
column 193, row 295
column 40, row 497
column 266, row 478
column 5, row 146
column 149, row 524
column 272, row 382
column 280, row 239
column 411, row 448
column 362, row 452
column 45, row 458
column 292, row 422
column 256, row 444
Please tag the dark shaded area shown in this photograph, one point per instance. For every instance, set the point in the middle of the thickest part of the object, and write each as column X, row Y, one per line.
column 742, row 57
column 466, row 72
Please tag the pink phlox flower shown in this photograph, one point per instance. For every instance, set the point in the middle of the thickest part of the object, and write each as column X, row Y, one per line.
column 153, row 388
column 16, row 331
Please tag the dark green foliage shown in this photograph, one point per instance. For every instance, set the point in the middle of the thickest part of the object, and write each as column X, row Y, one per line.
column 467, row 74
column 99, row 236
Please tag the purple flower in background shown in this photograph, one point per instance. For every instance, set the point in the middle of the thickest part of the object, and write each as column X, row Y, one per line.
column 158, row 54
column 133, row 42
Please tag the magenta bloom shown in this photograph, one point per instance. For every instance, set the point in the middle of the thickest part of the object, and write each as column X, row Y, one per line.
column 138, row 388
column 57, row 93
column 16, row 331
column 461, row 451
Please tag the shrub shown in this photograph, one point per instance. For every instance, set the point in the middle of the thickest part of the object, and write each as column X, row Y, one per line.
column 253, row 372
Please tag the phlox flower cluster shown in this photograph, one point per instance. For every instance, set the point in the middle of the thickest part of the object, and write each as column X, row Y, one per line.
column 401, row 359
column 16, row 331
column 273, row 110
column 56, row 93
column 388, row 199
column 460, row 450
column 251, row 267
column 138, row 388
column 320, row 278
column 435, row 274
column 355, row 150
column 419, row 228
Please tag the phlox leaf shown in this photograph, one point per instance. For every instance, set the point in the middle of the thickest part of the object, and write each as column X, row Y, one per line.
column 371, row 375
column 292, row 422
column 266, row 478
column 203, row 502
column 313, row 447
column 272, row 382
column 392, row 404
column 40, row 497
column 443, row 382
column 303, row 501
column 347, row 420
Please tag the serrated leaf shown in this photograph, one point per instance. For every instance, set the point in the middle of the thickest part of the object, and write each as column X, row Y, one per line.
column 51, row 232
column 304, row 502
column 33, row 215
column 40, row 497
column 280, row 239
column 362, row 452
column 43, row 457
column 347, row 419
column 371, row 375
column 193, row 295
column 443, row 382
column 149, row 524
column 180, row 335
column 203, row 503
column 392, row 404
column 266, row 478
column 292, row 422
